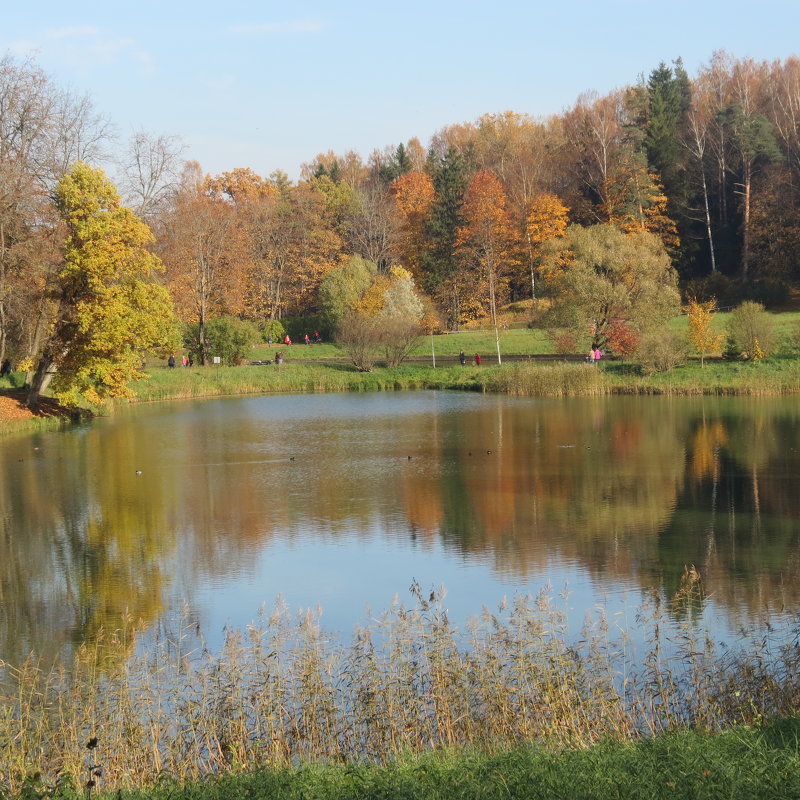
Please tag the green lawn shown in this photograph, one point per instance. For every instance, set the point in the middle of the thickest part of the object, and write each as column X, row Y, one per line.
column 739, row 764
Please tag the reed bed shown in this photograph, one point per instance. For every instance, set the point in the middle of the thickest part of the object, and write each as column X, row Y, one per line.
column 284, row 692
column 549, row 380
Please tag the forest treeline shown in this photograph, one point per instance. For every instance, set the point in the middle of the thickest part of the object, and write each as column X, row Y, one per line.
column 706, row 167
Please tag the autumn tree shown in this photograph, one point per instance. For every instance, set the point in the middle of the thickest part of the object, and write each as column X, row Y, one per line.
column 487, row 237
column 413, row 195
column 43, row 131
column 703, row 339
column 386, row 319
column 609, row 278
column 342, row 289
column 204, row 249
column 547, row 219
column 109, row 310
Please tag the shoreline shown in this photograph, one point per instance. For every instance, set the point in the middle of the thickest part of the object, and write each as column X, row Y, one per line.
column 520, row 376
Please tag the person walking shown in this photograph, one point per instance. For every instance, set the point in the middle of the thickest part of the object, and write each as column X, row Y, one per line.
column 171, row 362
column 477, row 359
column 462, row 358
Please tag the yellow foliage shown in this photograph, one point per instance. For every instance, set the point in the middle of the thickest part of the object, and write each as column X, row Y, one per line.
column 703, row 339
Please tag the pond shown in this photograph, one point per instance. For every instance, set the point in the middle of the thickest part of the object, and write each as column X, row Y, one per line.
column 339, row 502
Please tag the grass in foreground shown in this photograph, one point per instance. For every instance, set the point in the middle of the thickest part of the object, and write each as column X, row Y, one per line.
column 742, row 762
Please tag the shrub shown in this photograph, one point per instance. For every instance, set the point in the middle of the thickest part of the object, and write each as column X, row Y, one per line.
column 275, row 329
column 751, row 332
column 399, row 336
column 563, row 340
column 359, row 335
column 229, row 338
column 661, row 352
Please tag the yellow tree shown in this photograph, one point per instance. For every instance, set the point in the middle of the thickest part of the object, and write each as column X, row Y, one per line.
column 488, row 236
column 108, row 308
column 703, row 339
column 547, row 219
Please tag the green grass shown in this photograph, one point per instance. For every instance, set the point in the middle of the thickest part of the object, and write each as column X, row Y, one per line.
column 741, row 764
column 515, row 341
column 771, row 376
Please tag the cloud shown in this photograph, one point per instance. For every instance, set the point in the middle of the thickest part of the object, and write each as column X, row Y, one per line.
column 86, row 48
column 146, row 62
column 70, row 32
column 277, row 28
column 22, row 48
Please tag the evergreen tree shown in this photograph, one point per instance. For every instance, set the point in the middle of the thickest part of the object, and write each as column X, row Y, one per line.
column 399, row 165
column 669, row 98
column 441, row 262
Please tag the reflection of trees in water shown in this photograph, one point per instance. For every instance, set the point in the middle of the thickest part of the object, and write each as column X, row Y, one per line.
column 575, row 481
column 629, row 488
column 88, row 553
column 634, row 490
column 737, row 509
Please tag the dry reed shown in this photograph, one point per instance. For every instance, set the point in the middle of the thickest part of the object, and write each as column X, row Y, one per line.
column 283, row 691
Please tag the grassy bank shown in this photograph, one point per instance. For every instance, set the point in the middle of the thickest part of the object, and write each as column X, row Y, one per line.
column 741, row 764
column 523, row 378
column 285, row 692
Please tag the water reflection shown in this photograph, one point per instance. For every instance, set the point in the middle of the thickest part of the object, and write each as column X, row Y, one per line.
column 344, row 499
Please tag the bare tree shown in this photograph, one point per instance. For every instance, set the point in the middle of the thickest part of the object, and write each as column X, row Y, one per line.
column 76, row 132
column 151, row 172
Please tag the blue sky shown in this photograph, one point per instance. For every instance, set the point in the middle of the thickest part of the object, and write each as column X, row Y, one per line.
column 270, row 85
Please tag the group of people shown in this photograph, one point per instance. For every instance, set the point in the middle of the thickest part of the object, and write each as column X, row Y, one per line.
column 185, row 362
column 287, row 340
column 463, row 359
column 595, row 354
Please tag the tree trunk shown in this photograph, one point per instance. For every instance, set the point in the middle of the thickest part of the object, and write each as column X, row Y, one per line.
column 708, row 221
column 748, row 179
column 41, row 380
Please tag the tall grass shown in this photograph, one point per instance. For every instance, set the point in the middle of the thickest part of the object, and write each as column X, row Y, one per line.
column 284, row 691
column 548, row 380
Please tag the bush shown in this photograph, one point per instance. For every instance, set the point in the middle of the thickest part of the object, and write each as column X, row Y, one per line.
column 399, row 337
column 751, row 332
column 275, row 329
column 229, row 338
column 359, row 335
column 661, row 352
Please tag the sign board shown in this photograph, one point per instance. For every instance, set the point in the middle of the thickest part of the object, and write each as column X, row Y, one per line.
column 217, row 359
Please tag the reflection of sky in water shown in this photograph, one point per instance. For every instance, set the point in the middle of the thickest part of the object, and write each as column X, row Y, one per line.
column 353, row 580
column 315, row 498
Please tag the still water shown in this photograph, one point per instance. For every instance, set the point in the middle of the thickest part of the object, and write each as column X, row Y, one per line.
column 340, row 501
